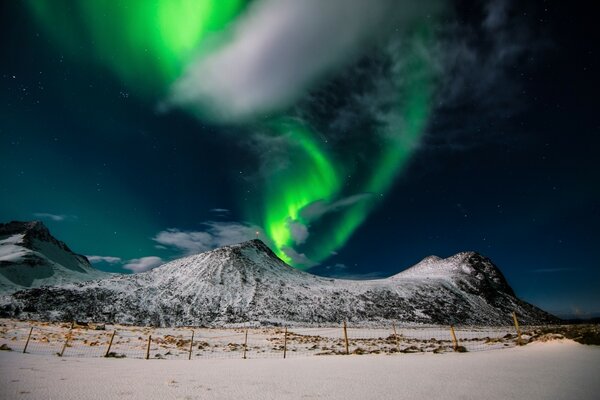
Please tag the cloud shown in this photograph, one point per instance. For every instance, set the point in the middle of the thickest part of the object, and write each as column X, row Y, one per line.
column 319, row 208
column 298, row 259
column 298, row 230
column 280, row 48
column 106, row 259
column 221, row 211
column 143, row 264
column 54, row 217
column 215, row 235
column 479, row 61
column 135, row 265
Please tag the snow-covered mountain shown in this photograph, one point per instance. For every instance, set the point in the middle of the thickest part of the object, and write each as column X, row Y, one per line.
column 248, row 283
column 31, row 257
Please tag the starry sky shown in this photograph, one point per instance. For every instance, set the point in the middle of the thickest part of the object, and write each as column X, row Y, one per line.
column 354, row 137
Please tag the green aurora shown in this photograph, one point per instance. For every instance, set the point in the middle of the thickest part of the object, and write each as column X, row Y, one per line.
column 315, row 174
column 148, row 43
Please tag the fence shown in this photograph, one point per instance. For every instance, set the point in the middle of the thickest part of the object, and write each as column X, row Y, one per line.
column 72, row 340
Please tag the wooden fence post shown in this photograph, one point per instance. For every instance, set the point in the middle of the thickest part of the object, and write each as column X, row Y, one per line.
column 454, row 340
column 396, row 337
column 191, row 345
column 346, row 338
column 110, row 343
column 28, row 337
column 285, row 342
column 148, row 348
column 519, row 340
column 67, row 337
column 245, row 343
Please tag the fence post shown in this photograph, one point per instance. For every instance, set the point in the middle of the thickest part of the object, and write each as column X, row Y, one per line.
column 67, row 337
column 148, row 348
column 285, row 342
column 396, row 337
column 110, row 343
column 191, row 345
column 519, row 340
column 245, row 343
column 454, row 340
column 28, row 337
column 346, row 338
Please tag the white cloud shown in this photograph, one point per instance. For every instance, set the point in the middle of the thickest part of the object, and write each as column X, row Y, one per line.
column 215, row 235
column 298, row 259
column 220, row 210
column 106, row 259
column 143, row 264
column 319, row 208
column 280, row 48
column 298, row 230
column 53, row 217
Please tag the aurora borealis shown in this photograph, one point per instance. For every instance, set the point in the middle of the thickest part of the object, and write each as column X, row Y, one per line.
column 158, row 128
column 146, row 43
column 184, row 30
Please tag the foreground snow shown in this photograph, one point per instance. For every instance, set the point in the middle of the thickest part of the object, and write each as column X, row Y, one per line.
column 557, row 370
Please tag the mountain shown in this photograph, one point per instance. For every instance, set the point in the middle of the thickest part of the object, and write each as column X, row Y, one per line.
column 31, row 257
column 247, row 282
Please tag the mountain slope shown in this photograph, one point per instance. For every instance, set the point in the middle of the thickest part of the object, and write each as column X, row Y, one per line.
column 31, row 257
column 248, row 283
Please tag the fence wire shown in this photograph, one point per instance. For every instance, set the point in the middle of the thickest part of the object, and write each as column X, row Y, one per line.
column 73, row 340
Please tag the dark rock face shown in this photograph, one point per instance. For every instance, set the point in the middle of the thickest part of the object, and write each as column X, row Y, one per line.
column 248, row 283
column 31, row 256
column 31, row 230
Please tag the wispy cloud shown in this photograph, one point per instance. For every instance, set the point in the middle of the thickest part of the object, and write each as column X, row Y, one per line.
column 476, row 60
column 54, row 217
column 319, row 208
column 281, row 48
column 220, row 211
column 105, row 259
column 298, row 259
column 143, row 264
column 299, row 230
column 135, row 265
column 215, row 234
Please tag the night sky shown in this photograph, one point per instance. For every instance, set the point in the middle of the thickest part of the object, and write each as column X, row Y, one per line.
column 354, row 137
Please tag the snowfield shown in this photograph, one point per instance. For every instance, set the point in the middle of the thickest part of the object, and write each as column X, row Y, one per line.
column 552, row 370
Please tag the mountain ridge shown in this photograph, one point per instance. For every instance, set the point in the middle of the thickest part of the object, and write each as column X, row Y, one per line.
column 248, row 283
column 31, row 257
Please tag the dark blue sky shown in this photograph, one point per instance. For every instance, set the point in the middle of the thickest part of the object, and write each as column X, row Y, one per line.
column 507, row 165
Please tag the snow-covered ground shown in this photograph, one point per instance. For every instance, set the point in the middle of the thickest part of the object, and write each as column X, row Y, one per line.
column 259, row 342
column 551, row 370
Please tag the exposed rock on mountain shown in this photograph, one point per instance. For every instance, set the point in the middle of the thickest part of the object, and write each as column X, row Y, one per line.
column 248, row 283
column 31, row 257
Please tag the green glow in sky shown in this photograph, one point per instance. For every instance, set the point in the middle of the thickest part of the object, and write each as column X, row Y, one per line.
column 310, row 176
column 146, row 43
column 314, row 174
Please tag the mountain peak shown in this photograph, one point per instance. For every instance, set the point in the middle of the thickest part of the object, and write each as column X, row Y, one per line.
column 15, row 227
column 32, row 230
column 247, row 282
column 256, row 244
column 30, row 257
